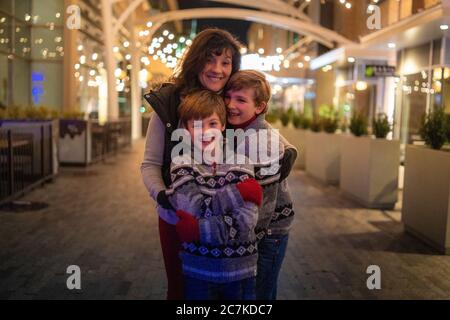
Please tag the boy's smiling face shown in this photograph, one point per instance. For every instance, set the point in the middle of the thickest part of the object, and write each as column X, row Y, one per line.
column 204, row 134
column 241, row 106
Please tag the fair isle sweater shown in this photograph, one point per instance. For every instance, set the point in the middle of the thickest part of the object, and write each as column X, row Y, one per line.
column 276, row 214
column 226, row 251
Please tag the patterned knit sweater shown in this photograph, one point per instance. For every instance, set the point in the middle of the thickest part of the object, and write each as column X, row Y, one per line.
column 227, row 250
column 276, row 214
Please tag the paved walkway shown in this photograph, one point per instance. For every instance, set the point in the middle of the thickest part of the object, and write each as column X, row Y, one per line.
column 101, row 219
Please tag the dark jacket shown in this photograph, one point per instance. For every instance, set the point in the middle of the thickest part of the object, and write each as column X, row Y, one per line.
column 165, row 101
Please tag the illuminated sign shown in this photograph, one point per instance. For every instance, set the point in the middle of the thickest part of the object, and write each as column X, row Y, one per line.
column 37, row 86
column 257, row 62
column 374, row 71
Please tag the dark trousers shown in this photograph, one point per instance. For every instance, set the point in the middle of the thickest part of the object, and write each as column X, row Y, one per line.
column 196, row 289
column 271, row 252
column 171, row 246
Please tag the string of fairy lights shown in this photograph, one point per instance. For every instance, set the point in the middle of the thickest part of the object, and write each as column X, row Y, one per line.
column 166, row 47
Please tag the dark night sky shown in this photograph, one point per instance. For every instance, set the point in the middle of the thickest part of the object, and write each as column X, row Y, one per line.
column 236, row 27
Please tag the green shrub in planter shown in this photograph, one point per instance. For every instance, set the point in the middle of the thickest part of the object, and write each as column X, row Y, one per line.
column 73, row 115
column 305, row 123
column 381, row 126
column 316, row 125
column 358, row 125
column 448, row 128
column 434, row 129
column 285, row 119
column 297, row 121
column 271, row 116
column 330, row 125
column 3, row 113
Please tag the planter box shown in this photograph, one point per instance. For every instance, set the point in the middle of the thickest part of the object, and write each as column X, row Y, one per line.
column 323, row 156
column 426, row 197
column 83, row 142
column 296, row 137
column 369, row 171
column 75, row 142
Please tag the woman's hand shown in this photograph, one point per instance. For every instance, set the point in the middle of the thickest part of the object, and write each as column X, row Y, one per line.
column 163, row 200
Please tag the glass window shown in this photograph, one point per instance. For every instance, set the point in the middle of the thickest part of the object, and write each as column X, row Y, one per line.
column 415, row 90
column 47, row 76
column 22, row 38
column 3, row 79
column 22, row 10
column 446, row 90
column 21, row 83
column 415, row 59
column 6, row 5
column 48, row 43
column 49, row 11
column 437, row 44
column 5, row 33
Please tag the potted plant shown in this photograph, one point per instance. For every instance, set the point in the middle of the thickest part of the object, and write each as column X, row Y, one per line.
column 323, row 148
column 358, row 125
column 272, row 116
column 297, row 121
column 316, row 125
column 426, row 197
column 381, row 126
column 369, row 167
column 305, row 123
column 330, row 125
column 295, row 135
column 285, row 119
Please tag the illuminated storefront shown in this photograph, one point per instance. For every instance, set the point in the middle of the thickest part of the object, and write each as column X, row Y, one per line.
column 31, row 52
column 424, row 85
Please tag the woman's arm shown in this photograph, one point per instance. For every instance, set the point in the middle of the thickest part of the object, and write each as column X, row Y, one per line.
column 153, row 157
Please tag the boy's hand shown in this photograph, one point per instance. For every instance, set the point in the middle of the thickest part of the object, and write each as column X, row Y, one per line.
column 251, row 191
column 187, row 227
column 163, row 200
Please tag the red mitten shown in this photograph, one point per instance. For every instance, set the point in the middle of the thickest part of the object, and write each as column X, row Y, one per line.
column 251, row 191
column 187, row 227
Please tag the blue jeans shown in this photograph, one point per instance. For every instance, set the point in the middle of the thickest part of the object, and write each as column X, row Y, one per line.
column 271, row 251
column 196, row 289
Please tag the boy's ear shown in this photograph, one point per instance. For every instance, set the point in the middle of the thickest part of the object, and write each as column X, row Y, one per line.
column 261, row 107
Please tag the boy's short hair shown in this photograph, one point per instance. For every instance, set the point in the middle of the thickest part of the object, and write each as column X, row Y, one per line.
column 200, row 105
column 256, row 80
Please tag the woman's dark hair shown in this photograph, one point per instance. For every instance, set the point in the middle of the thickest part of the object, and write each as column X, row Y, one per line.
column 205, row 44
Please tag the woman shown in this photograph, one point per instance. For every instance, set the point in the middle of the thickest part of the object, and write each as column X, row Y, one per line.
column 208, row 64
column 212, row 59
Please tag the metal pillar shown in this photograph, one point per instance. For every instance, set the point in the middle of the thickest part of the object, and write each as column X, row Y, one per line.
column 107, row 17
column 136, row 94
column 70, row 58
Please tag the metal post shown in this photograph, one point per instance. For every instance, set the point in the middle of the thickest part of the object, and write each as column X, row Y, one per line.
column 50, row 141
column 10, row 163
column 42, row 152
column 107, row 17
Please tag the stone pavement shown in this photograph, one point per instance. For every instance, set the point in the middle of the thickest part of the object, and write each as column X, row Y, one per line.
column 101, row 219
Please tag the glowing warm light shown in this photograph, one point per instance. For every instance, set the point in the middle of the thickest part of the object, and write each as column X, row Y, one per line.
column 361, row 85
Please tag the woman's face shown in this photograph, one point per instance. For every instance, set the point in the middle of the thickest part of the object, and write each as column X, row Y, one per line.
column 217, row 71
